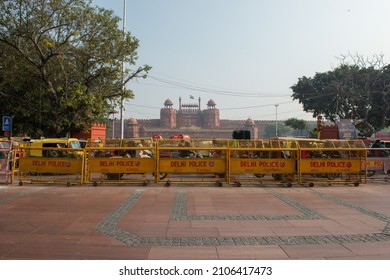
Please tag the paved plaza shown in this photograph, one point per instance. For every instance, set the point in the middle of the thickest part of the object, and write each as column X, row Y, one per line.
column 194, row 222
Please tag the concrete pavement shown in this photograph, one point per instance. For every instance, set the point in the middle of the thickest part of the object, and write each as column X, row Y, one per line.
column 194, row 222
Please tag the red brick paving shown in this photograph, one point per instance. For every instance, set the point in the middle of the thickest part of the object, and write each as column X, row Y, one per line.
column 57, row 222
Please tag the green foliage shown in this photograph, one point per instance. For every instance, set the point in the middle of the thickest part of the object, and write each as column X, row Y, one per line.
column 354, row 91
column 283, row 130
column 61, row 65
column 298, row 125
column 359, row 90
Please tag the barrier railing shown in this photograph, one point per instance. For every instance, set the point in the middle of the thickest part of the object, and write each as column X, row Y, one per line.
column 262, row 162
column 378, row 163
column 55, row 166
column 331, row 162
column 121, row 161
column 198, row 161
column 6, row 161
column 192, row 161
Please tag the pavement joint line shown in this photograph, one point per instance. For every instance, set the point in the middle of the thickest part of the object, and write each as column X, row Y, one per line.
column 358, row 208
column 179, row 211
column 108, row 226
column 354, row 206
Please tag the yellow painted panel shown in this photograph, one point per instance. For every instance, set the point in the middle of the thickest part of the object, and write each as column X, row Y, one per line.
column 330, row 165
column 374, row 163
column 192, row 165
column 121, row 165
column 262, row 166
column 50, row 165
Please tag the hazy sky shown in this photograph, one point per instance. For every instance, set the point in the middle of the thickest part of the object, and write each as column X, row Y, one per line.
column 244, row 54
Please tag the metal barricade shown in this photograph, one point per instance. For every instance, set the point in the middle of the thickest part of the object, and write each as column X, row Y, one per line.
column 6, row 161
column 331, row 162
column 262, row 162
column 120, row 161
column 378, row 164
column 195, row 161
column 53, row 166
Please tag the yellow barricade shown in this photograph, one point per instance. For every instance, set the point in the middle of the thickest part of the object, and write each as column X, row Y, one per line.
column 262, row 162
column 195, row 161
column 120, row 161
column 56, row 165
column 378, row 162
column 332, row 162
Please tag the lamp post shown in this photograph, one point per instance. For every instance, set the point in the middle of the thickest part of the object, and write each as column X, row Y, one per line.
column 276, row 122
column 123, row 73
column 113, row 112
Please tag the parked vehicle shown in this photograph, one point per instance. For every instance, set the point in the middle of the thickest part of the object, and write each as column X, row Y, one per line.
column 37, row 147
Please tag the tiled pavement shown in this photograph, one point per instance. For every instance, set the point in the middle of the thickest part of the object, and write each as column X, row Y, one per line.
column 195, row 222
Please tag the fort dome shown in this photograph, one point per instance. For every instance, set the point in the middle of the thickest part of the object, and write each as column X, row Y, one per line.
column 132, row 121
column 168, row 102
column 211, row 103
column 250, row 122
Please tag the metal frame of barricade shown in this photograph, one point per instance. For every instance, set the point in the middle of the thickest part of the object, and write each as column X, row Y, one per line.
column 56, row 166
column 331, row 162
column 262, row 162
column 120, row 161
column 195, row 161
column 378, row 163
column 6, row 161
column 223, row 161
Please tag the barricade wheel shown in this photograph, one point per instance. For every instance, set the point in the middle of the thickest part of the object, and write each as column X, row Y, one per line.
column 168, row 183
column 68, row 184
column 289, row 185
column 356, row 184
column 94, row 184
column 145, row 183
column 311, row 184
column 332, row 176
column 238, row 184
column 20, row 183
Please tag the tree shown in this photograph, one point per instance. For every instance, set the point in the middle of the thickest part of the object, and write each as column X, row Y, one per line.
column 270, row 130
column 296, row 124
column 357, row 90
column 61, row 64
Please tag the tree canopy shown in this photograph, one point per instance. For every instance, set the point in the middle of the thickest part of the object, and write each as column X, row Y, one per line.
column 358, row 91
column 297, row 124
column 61, row 64
column 283, row 130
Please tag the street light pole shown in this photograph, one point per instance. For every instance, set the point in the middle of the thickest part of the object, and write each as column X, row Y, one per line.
column 123, row 73
column 276, row 122
column 113, row 112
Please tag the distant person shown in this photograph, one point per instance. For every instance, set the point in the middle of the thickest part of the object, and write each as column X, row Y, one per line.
column 143, row 153
column 384, row 152
column 377, row 144
column 185, row 153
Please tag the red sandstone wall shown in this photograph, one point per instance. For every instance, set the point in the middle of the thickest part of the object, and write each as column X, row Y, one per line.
column 97, row 131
